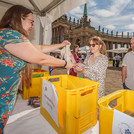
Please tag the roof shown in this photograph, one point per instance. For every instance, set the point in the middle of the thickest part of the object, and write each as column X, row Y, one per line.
column 118, row 50
column 55, row 8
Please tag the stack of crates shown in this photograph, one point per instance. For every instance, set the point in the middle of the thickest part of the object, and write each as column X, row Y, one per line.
column 124, row 100
column 35, row 89
column 77, row 104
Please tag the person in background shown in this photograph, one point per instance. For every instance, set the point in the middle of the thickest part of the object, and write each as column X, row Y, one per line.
column 89, row 53
column 96, row 64
column 118, row 58
column 128, row 68
column 82, row 57
column 76, row 58
column 114, row 60
column 58, row 56
column 15, row 52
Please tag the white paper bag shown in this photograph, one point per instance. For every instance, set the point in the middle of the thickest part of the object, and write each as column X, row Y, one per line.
column 122, row 123
column 50, row 100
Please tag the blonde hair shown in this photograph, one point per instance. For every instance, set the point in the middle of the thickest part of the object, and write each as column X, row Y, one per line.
column 98, row 41
column 129, row 50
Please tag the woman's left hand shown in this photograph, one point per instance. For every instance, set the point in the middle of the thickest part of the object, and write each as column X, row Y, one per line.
column 79, row 68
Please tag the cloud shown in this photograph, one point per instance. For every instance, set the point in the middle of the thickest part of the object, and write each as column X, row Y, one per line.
column 103, row 13
column 111, row 27
column 118, row 5
column 132, row 18
column 112, row 15
column 118, row 22
column 76, row 11
column 131, row 5
column 92, row 3
column 95, row 21
column 131, row 27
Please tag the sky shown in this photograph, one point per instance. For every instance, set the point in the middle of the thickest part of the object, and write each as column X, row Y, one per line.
column 116, row 15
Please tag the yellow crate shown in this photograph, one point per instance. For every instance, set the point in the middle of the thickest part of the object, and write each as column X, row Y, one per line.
column 35, row 89
column 124, row 99
column 77, row 104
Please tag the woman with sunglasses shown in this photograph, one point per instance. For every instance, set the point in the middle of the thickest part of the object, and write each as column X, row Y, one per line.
column 96, row 63
column 15, row 52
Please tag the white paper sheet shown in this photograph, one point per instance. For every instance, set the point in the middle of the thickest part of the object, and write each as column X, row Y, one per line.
column 122, row 123
column 50, row 100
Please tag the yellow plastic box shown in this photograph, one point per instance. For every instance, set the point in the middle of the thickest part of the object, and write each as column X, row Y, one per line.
column 35, row 89
column 77, row 104
column 124, row 100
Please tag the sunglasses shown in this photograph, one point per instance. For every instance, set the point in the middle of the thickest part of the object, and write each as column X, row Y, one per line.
column 93, row 45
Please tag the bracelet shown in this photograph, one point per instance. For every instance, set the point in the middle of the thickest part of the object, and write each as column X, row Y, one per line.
column 65, row 63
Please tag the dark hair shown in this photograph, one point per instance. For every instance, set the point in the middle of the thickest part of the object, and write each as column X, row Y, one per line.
column 98, row 41
column 74, row 47
column 12, row 18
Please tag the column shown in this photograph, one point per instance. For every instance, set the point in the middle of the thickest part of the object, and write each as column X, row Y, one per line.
column 107, row 46
column 115, row 45
column 81, row 41
column 56, row 34
column 122, row 44
column 59, row 34
column 111, row 45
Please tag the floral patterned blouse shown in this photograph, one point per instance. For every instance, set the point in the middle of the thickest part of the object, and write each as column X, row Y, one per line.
column 10, row 68
column 97, row 72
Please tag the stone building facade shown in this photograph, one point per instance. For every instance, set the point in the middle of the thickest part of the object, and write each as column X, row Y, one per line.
column 79, row 32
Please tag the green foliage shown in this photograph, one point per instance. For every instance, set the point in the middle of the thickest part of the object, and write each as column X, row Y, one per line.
column 111, row 62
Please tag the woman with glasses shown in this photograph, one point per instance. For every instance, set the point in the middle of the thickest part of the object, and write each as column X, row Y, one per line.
column 96, row 63
column 15, row 52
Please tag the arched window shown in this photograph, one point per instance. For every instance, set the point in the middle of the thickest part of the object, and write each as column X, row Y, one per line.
column 113, row 46
column 118, row 45
column 125, row 46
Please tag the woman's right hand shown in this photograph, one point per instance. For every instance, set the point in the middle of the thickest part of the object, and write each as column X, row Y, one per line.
column 70, row 65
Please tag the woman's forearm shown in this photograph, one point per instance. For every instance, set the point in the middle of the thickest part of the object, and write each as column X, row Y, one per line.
column 50, row 61
column 50, row 48
column 123, row 73
column 29, row 53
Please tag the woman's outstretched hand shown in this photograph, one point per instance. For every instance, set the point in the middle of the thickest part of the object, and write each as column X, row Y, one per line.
column 70, row 65
column 65, row 42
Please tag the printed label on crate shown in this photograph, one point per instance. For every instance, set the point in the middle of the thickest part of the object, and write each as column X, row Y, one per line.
column 122, row 123
column 50, row 100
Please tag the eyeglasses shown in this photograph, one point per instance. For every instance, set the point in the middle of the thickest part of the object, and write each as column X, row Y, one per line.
column 93, row 45
column 32, row 21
